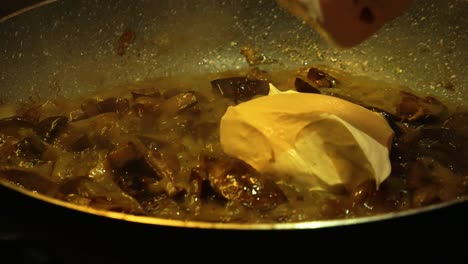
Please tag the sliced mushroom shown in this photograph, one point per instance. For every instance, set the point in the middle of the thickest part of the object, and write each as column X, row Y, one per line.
column 147, row 104
column 234, row 180
column 102, row 195
column 117, row 105
column 178, row 103
column 90, row 107
column 432, row 182
column 363, row 192
column 194, row 192
column 32, row 177
column 76, row 115
column 102, row 130
column 321, row 79
column 29, row 149
column 11, row 125
column 165, row 207
column 240, row 88
column 135, row 178
column 426, row 195
column 165, row 169
column 304, row 87
column 16, row 121
column 164, row 166
column 120, row 156
column 417, row 109
column 81, row 143
column 145, row 92
column 458, row 122
column 49, row 127
column 199, row 189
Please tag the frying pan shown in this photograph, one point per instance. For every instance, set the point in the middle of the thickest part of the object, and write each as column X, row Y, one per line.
column 68, row 48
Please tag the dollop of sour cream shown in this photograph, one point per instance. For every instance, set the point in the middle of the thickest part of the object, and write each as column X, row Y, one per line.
column 313, row 141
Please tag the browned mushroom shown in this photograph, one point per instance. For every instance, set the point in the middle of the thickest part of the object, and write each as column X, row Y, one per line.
column 304, row 87
column 240, row 88
column 178, row 103
column 235, row 180
column 49, row 127
column 320, row 79
column 414, row 108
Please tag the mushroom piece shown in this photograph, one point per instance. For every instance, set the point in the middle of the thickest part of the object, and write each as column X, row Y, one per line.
column 235, row 180
column 35, row 177
column 145, row 92
column 147, row 104
column 321, row 79
column 416, row 109
column 100, row 195
column 304, row 87
column 11, row 125
column 49, row 127
column 164, row 165
column 178, row 103
column 240, row 88
column 458, row 122
column 117, row 105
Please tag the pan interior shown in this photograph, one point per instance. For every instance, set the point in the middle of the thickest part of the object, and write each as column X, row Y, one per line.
column 69, row 48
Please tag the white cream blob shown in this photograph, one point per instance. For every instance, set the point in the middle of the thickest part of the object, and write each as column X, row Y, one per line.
column 313, row 141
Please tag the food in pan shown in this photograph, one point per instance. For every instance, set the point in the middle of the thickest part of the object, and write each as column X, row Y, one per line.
column 180, row 148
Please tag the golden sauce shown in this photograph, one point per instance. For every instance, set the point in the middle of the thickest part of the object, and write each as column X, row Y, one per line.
column 156, row 154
